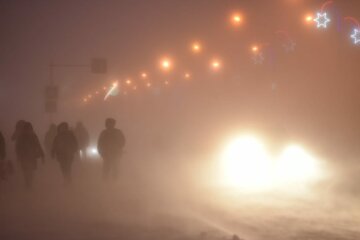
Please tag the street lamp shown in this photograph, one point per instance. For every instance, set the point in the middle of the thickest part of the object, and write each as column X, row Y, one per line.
column 236, row 19
column 215, row 64
column 166, row 64
column 196, row 47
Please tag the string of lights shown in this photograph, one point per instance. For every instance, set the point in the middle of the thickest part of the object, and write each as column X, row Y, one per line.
column 321, row 20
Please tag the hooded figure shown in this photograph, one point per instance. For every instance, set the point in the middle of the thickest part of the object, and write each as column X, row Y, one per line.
column 28, row 151
column 110, row 146
column 49, row 138
column 15, row 137
column 82, row 137
column 64, row 148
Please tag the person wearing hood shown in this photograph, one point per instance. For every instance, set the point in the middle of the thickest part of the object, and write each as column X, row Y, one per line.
column 64, row 149
column 29, row 150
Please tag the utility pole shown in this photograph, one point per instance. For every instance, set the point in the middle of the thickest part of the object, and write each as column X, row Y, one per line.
column 97, row 66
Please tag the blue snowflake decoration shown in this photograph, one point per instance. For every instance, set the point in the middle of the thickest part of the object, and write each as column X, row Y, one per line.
column 356, row 36
column 322, row 20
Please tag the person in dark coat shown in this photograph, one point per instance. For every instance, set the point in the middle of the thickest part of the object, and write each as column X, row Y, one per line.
column 2, row 157
column 29, row 150
column 83, row 138
column 110, row 147
column 64, row 149
column 49, row 139
column 15, row 137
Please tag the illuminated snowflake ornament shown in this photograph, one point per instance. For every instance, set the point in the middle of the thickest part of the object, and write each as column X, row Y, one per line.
column 258, row 58
column 356, row 36
column 322, row 20
column 289, row 46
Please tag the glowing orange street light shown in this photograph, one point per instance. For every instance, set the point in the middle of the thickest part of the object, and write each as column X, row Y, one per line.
column 128, row 82
column 215, row 64
column 85, row 100
column 236, row 19
column 309, row 18
column 187, row 75
column 255, row 49
column 196, row 47
column 105, row 88
column 144, row 75
column 166, row 82
column 148, row 84
column 166, row 64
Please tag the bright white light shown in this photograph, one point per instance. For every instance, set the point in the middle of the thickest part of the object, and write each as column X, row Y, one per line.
column 295, row 165
column 114, row 90
column 356, row 36
column 93, row 152
column 246, row 164
column 322, row 20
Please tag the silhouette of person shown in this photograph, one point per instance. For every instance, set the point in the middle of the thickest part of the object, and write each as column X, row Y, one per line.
column 29, row 150
column 82, row 137
column 18, row 129
column 49, row 139
column 64, row 149
column 15, row 137
column 2, row 157
column 110, row 147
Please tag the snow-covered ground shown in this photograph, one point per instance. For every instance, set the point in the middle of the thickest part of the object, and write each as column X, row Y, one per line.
column 155, row 206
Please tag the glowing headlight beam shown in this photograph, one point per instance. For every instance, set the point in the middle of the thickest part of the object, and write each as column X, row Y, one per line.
column 112, row 90
column 246, row 164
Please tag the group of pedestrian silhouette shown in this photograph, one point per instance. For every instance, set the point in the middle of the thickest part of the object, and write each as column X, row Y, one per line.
column 63, row 144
